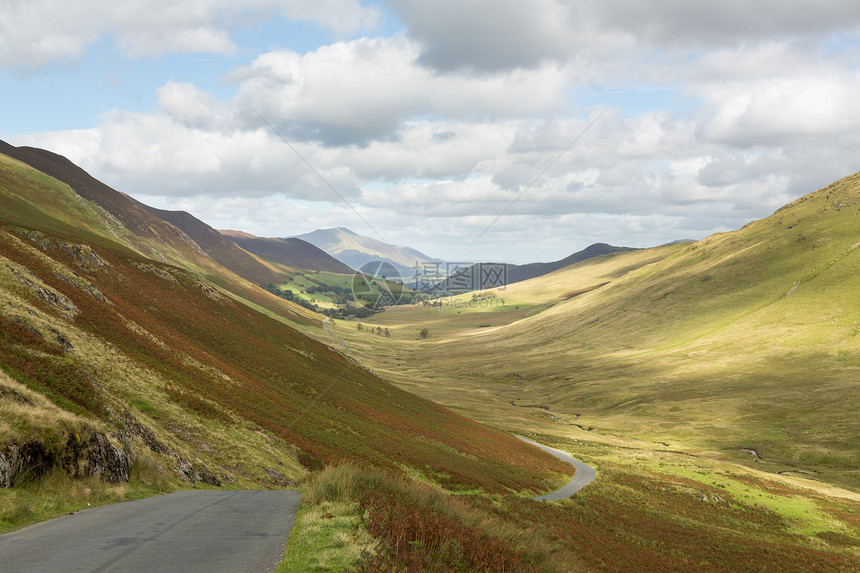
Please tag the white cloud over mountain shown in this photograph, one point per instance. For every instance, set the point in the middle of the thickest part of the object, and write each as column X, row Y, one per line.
column 712, row 115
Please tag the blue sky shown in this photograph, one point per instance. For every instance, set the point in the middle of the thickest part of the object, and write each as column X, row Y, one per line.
column 422, row 122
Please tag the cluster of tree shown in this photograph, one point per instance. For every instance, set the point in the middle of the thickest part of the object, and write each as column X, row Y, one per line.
column 342, row 297
column 330, row 289
column 483, row 295
column 379, row 331
column 347, row 311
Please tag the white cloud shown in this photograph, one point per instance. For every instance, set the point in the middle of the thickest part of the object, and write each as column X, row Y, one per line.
column 354, row 92
column 433, row 133
column 41, row 33
column 190, row 105
column 783, row 110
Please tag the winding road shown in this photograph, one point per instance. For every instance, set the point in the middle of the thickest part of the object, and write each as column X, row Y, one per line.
column 330, row 333
column 584, row 473
column 187, row 531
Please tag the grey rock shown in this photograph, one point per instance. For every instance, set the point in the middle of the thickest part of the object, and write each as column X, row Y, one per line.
column 22, row 462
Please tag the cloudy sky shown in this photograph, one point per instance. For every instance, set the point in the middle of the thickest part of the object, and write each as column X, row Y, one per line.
column 516, row 130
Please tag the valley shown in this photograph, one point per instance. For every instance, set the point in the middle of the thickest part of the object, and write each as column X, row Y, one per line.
column 712, row 385
column 720, row 369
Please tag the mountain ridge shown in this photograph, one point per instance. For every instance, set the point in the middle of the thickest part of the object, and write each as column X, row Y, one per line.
column 290, row 251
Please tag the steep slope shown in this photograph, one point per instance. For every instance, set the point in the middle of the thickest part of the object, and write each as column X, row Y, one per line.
column 222, row 249
column 197, row 381
column 356, row 250
column 117, row 217
column 294, row 253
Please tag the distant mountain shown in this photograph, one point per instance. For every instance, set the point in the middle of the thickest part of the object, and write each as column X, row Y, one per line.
column 517, row 273
column 291, row 252
column 490, row 275
column 356, row 250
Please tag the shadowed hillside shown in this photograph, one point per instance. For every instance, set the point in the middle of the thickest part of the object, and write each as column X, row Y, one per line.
column 294, row 253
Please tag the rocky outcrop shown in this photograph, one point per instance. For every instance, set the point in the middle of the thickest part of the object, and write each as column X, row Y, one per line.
column 58, row 301
column 187, row 472
column 84, row 255
column 79, row 283
column 21, row 462
column 96, row 457
column 93, row 457
column 132, row 431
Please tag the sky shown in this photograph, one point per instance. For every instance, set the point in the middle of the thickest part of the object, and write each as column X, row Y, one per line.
column 471, row 130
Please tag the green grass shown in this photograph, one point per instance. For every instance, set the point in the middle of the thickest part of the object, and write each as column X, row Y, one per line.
column 706, row 346
column 647, row 510
column 301, row 281
column 326, row 537
column 662, row 366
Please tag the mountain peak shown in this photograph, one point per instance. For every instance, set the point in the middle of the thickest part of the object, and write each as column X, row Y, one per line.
column 357, row 250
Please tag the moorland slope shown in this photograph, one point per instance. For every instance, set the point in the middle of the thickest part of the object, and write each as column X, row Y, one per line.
column 97, row 339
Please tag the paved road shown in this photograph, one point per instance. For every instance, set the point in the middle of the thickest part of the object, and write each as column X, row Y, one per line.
column 185, row 532
column 330, row 333
column 584, row 473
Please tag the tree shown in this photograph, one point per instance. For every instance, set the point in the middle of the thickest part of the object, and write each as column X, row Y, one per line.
column 424, row 333
column 360, row 327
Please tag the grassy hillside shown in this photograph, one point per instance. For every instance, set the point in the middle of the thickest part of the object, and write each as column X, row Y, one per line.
column 721, row 373
column 742, row 341
column 106, row 352
column 196, row 384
